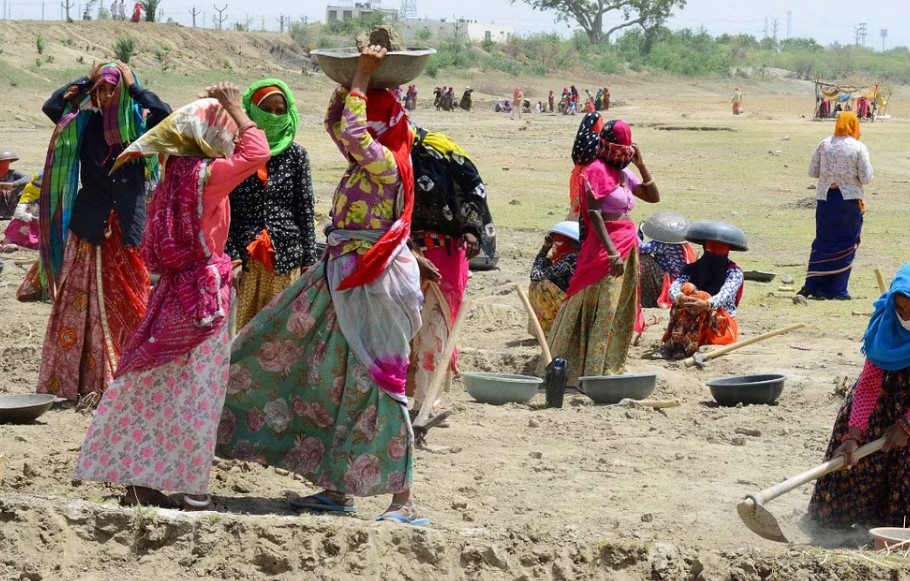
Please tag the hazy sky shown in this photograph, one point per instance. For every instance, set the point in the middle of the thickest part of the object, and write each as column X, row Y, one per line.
column 824, row 20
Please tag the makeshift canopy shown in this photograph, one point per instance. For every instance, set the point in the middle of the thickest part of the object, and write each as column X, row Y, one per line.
column 867, row 101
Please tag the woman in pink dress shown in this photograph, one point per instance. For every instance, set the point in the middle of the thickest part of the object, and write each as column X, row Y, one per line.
column 156, row 425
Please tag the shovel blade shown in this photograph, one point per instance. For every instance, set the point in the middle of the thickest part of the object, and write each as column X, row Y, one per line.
column 761, row 522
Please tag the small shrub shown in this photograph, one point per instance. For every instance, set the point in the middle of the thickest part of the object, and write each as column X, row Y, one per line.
column 38, row 62
column 124, row 48
column 81, row 59
column 325, row 42
column 161, row 53
column 48, row 58
column 68, row 42
column 40, row 43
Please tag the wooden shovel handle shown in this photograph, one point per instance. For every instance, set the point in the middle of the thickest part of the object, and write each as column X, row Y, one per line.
column 880, row 278
column 745, row 342
column 444, row 364
column 817, row 472
column 659, row 404
column 538, row 330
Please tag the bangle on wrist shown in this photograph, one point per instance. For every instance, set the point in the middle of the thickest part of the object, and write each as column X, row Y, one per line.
column 905, row 425
column 247, row 125
column 650, row 182
column 357, row 94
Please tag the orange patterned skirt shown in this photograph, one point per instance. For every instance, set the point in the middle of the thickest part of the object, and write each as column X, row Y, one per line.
column 99, row 304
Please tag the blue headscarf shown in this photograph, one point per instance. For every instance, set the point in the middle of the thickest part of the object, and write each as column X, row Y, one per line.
column 886, row 343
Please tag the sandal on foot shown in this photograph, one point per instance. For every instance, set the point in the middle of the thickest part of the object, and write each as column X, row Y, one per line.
column 321, row 502
column 402, row 519
column 194, row 504
column 157, row 499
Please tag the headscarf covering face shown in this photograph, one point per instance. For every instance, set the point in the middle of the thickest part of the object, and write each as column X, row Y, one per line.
column 847, row 125
column 615, row 146
column 279, row 129
column 886, row 342
column 109, row 75
column 123, row 123
column 587, row 140
column 387, row 122
column 200, row 129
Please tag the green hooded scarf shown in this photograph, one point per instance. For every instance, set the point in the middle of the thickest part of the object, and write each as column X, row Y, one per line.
column 279, row 129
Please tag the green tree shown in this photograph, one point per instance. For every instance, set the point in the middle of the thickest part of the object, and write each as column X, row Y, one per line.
column 589, row 14
column 151, row 9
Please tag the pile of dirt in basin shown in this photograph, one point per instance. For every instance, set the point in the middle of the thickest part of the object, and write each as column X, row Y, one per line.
column 384, row 36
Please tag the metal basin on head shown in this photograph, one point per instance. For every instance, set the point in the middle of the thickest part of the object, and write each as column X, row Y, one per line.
column 398, row 67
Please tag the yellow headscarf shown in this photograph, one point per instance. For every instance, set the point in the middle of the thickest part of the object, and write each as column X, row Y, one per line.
column 847, row 125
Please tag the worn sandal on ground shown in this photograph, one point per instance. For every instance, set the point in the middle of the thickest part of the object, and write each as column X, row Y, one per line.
column 399, row 518
column 321, row 502
column 158, row 499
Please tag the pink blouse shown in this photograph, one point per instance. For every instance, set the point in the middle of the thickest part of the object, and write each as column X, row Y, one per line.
column 251, row 152
column 865, row 395
column 614, row 197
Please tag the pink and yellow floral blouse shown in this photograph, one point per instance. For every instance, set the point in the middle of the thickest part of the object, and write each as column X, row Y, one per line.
column 368, row 195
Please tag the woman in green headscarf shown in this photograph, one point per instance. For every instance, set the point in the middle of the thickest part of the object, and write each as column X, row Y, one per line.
column 272, row 229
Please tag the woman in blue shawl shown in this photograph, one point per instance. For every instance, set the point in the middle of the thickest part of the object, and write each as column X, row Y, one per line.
column 876, row 490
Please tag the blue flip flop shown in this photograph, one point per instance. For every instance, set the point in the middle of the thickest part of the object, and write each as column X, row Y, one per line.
column 324, row 504
column 401, row 519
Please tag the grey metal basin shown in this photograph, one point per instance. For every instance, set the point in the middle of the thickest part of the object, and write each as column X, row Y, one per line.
column 398, row 68
column 747, row 389
column 609, row 389
column 483, row 262
column 500, row 388
column 22, row 409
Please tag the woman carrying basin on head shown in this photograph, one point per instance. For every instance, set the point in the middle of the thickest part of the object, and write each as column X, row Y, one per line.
column 594, row 327
column 876, row 490
column 318, row 377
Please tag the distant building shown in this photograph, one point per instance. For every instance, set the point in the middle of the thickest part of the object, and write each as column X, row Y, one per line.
column 414, row 29
column 357, row 10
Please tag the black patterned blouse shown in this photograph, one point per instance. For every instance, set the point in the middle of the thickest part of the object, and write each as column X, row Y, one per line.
column 284, row 207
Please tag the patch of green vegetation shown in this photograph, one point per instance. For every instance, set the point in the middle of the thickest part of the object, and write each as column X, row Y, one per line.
column 124, row 48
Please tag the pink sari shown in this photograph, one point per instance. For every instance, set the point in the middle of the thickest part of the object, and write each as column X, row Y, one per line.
column 593, row 259
column 191, row 300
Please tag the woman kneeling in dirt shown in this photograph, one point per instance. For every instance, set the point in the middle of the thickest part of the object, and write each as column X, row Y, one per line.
column 876, row 490
column 551, row 274
column 706, row 293
column 156, row 425
column 318, row 376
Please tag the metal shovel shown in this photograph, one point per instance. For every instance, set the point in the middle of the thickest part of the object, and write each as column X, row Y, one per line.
column 761, row 522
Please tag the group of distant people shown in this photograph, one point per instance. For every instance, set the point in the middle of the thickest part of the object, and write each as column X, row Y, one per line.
column 118, row 11
column 569, row 103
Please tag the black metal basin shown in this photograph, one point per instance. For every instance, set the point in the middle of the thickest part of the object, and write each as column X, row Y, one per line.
column 747, row 389
column 22, row 409
column 483, row 262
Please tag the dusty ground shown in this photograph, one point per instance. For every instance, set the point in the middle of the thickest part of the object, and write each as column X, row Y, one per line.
column 585, row 492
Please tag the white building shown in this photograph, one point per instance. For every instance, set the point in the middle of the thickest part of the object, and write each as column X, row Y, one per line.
column 356, row 10
column 415, row 29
